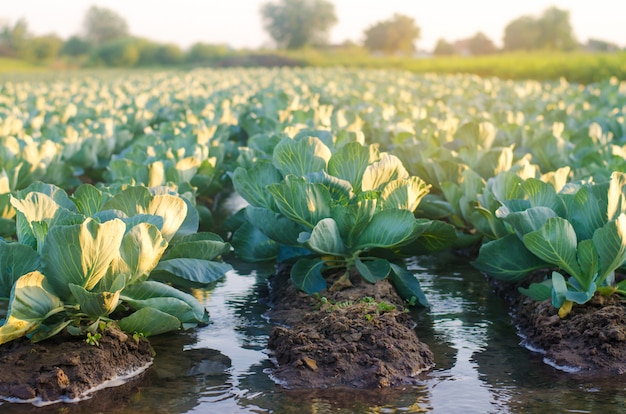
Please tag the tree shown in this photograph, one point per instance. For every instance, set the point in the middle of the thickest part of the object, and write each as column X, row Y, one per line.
column 76, row 46
column 42, row 49
column 556, row 31
column 598, row 45
column 444, row 48
column 103, row 25
column 551, row 31
column 522, row 34
column 13, row 39
column 397, row 34
column 480, row 44
column 205, row 53
column 294, row 24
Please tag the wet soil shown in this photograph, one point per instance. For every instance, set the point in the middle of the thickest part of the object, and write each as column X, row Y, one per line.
column 340, row 339
column 66, row 367
column 590, row 340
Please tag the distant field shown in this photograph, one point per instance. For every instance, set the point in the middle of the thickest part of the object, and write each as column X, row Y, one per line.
column 16, row 65
column 575, row 67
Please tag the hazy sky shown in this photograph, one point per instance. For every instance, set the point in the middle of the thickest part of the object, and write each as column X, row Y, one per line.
column 238, row 23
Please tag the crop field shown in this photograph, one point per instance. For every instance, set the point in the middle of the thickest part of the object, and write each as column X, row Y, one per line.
column 110, row 187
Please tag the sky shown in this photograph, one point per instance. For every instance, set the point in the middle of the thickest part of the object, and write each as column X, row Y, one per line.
column 238, row 22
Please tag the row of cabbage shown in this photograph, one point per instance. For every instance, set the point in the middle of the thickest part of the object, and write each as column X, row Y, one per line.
column 343, row 170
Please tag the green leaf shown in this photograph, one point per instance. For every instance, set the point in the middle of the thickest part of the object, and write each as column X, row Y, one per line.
column 559, row 290
column 55, row 193
column 543, row 194
column 149, row 322
column 140, row 294
column 30, row 304
column 610, row 242
column 378, row 174
column 538, row 291
column 349, row 163
column 616, row 195
column 300, row 201
column 307, row 155
column 407, row 286
column 527, row 221
column 140, row 251
column 199, row 249
column 139, row 200
column 354, row 218
column 404, row 193
column 387, row 229
column 555, row 242
column 89, row 200
column 435, row 237
column 97, row 304
column 325, row 238
column 80, row 253
column 251, row 245
column 251, row 184
column 373, row 270
column 587, row 256
column 189, row 272
column 507, row 259
column 587, row 210
column 37, row 207
column 306, row 275
column 15, row 260
column 340, row 190
column 274, row 225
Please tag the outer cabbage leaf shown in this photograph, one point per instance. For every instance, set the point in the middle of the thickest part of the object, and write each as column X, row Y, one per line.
column 507, row 259
column 189, row 272
column 325, row 238
column 251, row 245
column 378, row 174
column 349, row 163
column 251, row 184
column 15, row 260
column 140, row 251
column 306, row 275
column 301, row 157
column 274, row 225
column 149, row 322
column 388, row 229
column 555, row 242
column 80, row 253
column 302, row 202
column 30, row 304
column 404, row 194
column 407, row 285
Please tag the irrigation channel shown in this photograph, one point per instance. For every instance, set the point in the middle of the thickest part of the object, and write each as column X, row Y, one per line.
column 481, row 368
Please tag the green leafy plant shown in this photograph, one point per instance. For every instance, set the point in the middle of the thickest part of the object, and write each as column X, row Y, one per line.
column 100, row 256
column 349, row 209
column 587, row 245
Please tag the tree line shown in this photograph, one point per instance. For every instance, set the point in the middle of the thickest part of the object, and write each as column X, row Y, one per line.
column 105, row 39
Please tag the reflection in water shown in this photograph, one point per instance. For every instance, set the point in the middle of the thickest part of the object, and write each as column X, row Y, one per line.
column 223, row 367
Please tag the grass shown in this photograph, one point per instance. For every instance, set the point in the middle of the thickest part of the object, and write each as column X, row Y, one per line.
column 575, row 67
column 9, row 65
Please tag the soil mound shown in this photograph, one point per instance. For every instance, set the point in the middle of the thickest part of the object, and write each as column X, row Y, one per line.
column 591, row 339
column 65, row 367
column 357, row 337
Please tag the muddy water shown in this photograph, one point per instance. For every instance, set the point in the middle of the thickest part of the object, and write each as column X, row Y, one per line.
column 481, row 368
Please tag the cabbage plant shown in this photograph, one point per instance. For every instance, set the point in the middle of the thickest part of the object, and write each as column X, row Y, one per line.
column 102, row 256
column 329, row 207
column 580, row 230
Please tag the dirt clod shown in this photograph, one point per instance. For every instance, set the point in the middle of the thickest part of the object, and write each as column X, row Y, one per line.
column 66, row 367
column 343, row 340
